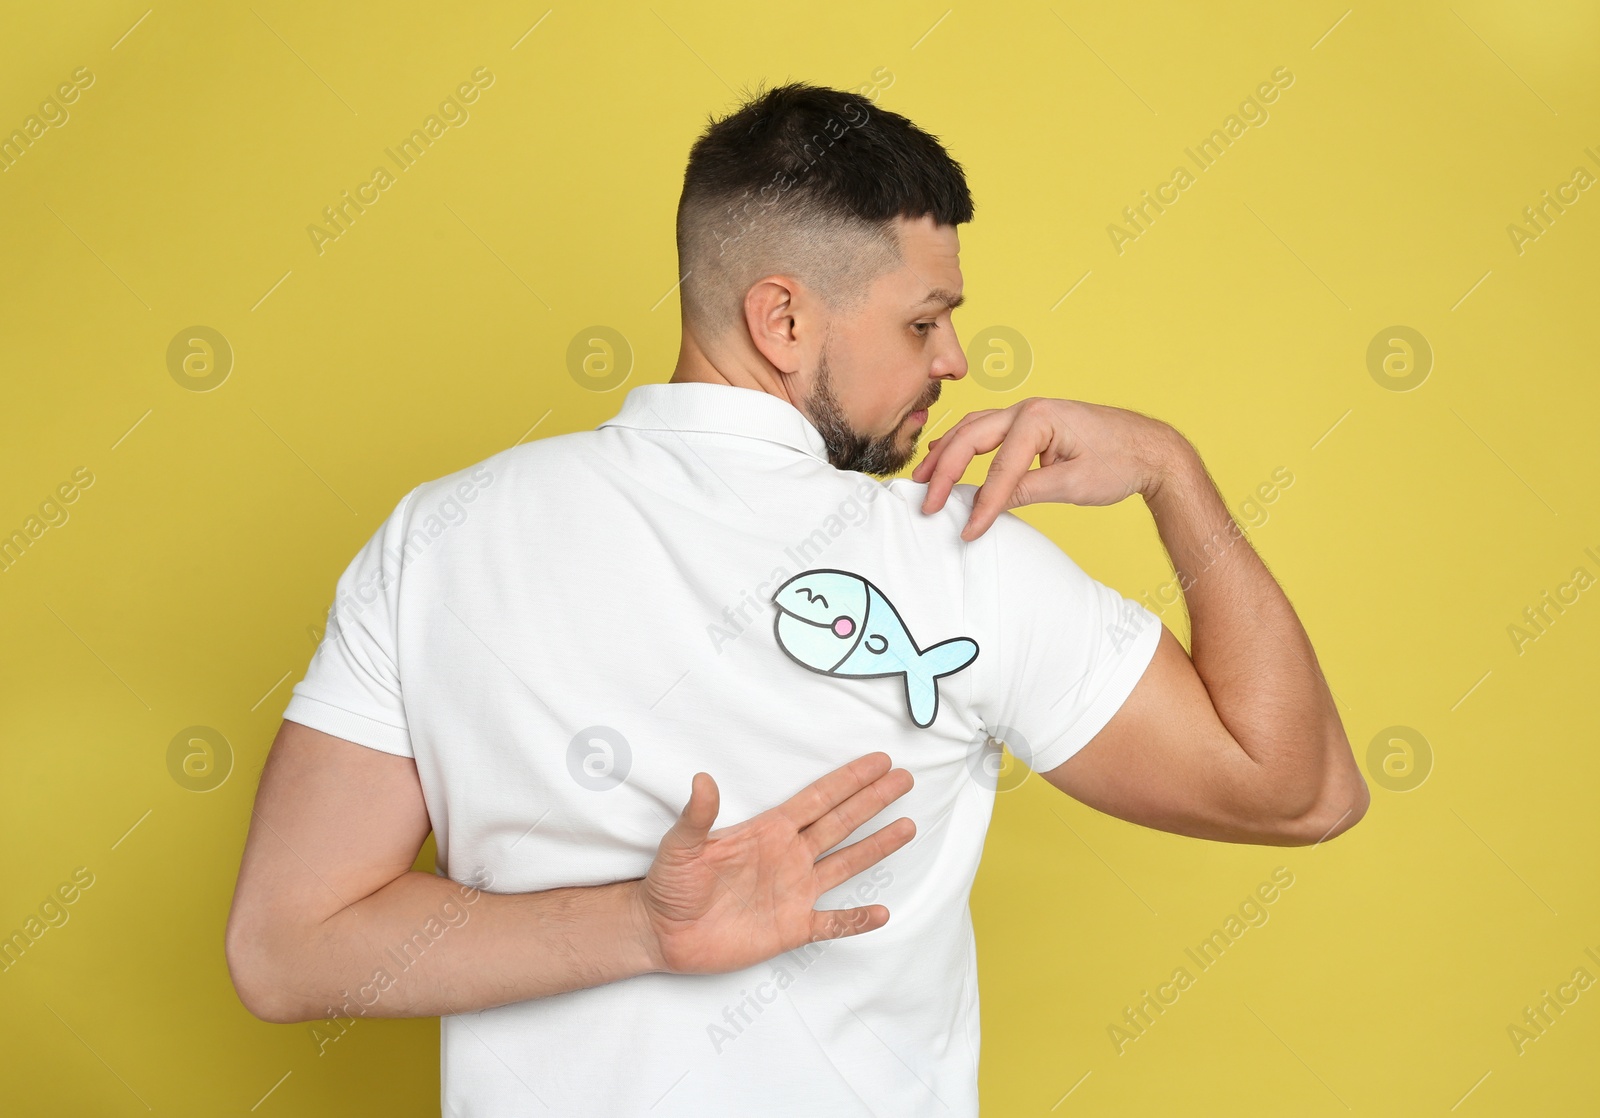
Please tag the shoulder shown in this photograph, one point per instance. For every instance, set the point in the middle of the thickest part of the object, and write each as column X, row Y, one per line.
column 1009, row 534
column 908, row 494
column 524, row 464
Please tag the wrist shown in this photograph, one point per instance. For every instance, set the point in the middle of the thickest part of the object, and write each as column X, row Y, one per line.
column 1174, row 458
column 641, row 944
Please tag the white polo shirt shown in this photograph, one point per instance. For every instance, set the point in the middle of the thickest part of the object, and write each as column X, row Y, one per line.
column 563, row 634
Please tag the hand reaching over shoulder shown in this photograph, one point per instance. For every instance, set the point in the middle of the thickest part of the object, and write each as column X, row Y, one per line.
column 1089, row 454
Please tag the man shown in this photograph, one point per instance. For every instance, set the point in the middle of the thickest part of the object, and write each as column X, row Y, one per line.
column 710, row 596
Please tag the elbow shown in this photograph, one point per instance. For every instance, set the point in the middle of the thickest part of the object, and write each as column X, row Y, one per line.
column 264, row 1008
column 256, row 977
column 1342, row 804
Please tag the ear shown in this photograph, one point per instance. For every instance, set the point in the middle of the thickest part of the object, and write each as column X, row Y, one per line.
column 769, row 315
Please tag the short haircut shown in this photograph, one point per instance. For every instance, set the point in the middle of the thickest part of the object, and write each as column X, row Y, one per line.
column 806, row 181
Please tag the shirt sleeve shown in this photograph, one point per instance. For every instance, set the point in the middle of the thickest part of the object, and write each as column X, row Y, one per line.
column 352, row 687
column 1068, row 648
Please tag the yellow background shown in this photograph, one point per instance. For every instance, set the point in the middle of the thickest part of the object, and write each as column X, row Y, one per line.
column 189, row 584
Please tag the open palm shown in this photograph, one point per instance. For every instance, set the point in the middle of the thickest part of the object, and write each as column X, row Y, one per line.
column 722, row 900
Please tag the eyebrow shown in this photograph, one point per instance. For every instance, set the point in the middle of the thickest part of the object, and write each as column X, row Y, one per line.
column 940, row 295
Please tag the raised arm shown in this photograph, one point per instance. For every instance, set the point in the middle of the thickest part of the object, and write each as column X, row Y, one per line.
column 329, row 919
column 1237, row 740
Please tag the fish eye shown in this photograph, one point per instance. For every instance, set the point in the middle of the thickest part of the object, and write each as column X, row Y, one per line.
column 877, row 644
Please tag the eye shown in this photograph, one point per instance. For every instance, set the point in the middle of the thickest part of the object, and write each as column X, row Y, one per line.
column 877, row 644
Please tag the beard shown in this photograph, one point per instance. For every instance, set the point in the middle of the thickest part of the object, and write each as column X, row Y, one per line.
column 878, row 455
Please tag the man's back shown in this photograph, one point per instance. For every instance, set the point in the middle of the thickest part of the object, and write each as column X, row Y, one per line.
column 564, row 634
column 709, row 602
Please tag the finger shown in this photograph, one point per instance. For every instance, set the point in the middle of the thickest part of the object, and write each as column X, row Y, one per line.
column 818, row 798
column 936, row 447
column 970, row 417
column 924, row 469
column 958, row 449
column 1022, row 444
column 844, row 864
column 694, row 822
column 836, row 923
column 842, row 821
column 920, row 472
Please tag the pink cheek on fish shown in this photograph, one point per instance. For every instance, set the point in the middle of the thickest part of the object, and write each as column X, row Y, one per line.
column 843, row 627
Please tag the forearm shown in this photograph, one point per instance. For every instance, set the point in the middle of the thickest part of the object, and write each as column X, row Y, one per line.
column 424, row 945
column 1251, row 651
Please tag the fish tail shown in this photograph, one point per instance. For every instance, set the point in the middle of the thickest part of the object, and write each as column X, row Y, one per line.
column 922, row 676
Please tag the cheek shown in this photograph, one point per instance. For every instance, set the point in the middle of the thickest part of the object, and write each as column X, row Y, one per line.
column 878, row 375
column 897, row 383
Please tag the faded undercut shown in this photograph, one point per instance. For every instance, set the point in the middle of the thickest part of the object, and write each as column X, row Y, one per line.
column 804, row 181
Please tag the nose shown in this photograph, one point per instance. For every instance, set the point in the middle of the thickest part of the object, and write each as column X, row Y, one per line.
column 951, row 363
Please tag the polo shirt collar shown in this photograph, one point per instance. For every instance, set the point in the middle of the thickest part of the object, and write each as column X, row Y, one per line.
column 721, row 408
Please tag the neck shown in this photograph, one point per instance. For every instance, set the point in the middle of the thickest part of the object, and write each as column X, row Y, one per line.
column 731, row 364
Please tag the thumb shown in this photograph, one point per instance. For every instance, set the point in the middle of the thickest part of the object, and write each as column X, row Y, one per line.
column 694, row 822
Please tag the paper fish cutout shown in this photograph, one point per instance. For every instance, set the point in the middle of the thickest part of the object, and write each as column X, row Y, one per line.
column 837, row 623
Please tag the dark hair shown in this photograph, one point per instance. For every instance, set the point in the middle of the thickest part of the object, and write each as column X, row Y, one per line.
column 805, row 156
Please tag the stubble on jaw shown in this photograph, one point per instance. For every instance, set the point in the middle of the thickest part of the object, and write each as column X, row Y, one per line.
column 848, row 450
